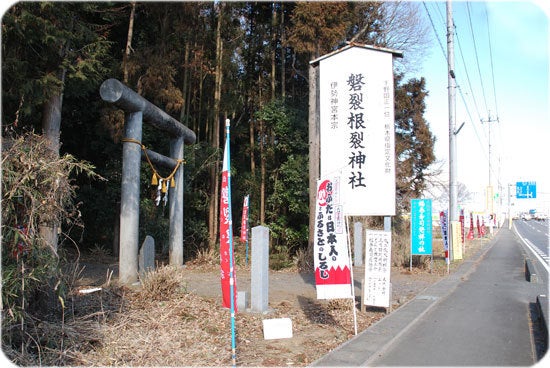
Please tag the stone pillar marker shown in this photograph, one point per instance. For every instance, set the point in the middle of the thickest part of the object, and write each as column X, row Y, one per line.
column 358, row 244
column 259, row 281
column 147, row 256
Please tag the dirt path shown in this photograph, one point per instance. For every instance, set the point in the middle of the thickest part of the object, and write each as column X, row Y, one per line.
column 286, row 286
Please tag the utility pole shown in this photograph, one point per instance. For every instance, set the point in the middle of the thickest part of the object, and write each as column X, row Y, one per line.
column 453, row 186
column 489, row 199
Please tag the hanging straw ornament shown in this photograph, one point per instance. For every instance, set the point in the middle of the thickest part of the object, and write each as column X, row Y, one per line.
column 158, row 197
column 165, row 198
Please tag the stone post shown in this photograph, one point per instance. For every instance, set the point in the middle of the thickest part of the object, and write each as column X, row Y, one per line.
column 259, row 288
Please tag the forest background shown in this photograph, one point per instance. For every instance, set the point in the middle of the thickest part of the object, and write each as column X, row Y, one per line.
column 201, row 62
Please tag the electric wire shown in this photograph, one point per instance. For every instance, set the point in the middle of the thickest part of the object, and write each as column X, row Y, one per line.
column 491, row 59
column 477, row 58
column 467, row 75
column 499, row 130
column 435, row 31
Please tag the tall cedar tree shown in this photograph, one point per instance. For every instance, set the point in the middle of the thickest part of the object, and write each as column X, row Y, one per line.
column 414, row 142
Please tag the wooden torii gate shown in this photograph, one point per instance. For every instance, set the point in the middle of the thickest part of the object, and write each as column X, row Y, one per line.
column 136, row 110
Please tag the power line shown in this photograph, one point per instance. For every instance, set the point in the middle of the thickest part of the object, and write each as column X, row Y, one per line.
column 435, row 31
column 467, row 76
column 477, row 58
column 442, row 18
column 491, row 58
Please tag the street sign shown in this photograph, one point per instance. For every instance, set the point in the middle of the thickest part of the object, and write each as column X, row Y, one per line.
column 526, row 189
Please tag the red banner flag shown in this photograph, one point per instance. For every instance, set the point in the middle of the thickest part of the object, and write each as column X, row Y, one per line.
column 471, row 231
column 227, row 263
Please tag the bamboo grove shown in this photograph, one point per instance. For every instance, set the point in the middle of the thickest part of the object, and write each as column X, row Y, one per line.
column 201, row 62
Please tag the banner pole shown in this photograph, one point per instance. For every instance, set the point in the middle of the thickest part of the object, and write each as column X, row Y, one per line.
column 351, row 274
column 247, row 225
column 231, row 266
column 411, row 244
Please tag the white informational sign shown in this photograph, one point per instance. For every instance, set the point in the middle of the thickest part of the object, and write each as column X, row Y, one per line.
column 377, row 268
column 357, row 128
column 331, row 257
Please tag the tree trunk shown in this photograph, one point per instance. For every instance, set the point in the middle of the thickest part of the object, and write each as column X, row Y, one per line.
column 214, row 172
column 261, row 142
column 51, row 121
column 283, row 51
column 184, row 88
column 273, row 47
column 262, row 172
column 51, row 116
column 314, row 135
column 128, row 43
column 51, row 128
column 252, row 148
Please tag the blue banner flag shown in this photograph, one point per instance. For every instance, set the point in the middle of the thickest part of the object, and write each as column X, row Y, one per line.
column 421, row 226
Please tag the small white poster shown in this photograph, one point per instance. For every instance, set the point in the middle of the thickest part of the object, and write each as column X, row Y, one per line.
column 377, row 268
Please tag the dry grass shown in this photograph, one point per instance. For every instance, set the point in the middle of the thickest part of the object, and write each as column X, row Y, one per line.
column 163, row 325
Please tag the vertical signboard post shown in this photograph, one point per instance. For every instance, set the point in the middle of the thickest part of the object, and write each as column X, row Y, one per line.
column 421, row 229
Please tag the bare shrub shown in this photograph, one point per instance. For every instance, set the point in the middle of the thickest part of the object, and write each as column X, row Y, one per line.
column 37, row 191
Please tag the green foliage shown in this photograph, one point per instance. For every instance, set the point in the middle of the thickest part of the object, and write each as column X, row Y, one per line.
column 40, row 40
column 288, row 205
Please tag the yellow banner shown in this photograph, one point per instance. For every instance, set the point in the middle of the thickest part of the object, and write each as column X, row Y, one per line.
column 456, row 243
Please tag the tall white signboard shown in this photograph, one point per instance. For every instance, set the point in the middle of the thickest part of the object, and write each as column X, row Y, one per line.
column 357, row 128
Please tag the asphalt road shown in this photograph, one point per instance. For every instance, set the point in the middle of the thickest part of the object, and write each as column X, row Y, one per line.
column 535, row 235
column 480, row 316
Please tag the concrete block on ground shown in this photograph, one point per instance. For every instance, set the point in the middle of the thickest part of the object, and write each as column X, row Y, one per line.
column 530, row 272
column 542, row 303
column 277, row 328
column 242, row 300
